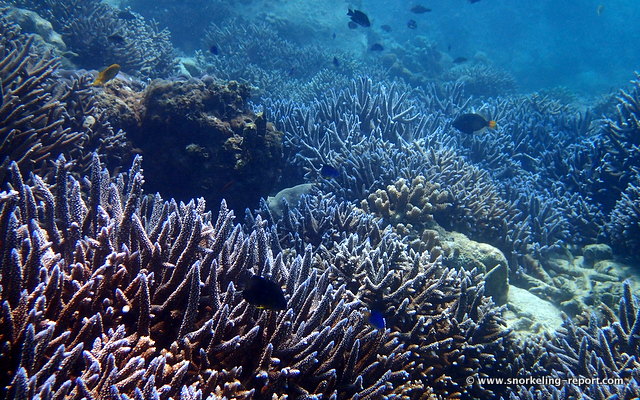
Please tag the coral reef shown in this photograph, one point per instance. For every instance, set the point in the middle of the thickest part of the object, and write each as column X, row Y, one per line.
column 204, row 140
column 482, row 79
column 46, row 112
column 138, row 295
column 414, row 259
column 99, row 36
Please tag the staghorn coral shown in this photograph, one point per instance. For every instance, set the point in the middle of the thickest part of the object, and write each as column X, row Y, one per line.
column 442, row 309
column 140, row 296
column 86, row 25
column 456, row 327
column 47, row 111
column 32, row 116
column 624, row 224
column 360, row 130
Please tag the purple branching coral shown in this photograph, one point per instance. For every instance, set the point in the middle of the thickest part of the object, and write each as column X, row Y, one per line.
column 107, row 292
column 86, row 26
column 602, row 351
column 44, row 114
column 32, row 118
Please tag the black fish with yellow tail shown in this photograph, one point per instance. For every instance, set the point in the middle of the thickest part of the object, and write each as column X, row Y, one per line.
column 469, row 123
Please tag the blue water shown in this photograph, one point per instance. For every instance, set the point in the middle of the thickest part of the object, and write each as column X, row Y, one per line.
column 541, row 43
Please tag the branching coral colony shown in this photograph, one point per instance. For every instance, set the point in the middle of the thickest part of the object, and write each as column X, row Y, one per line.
column 108, row 292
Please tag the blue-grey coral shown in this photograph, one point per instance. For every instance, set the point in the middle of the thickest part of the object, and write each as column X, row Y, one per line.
column 601, row 350
column 32, row 116
column 141, row 296
column 86, row 25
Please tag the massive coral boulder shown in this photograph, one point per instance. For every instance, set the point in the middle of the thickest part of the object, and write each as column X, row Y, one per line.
column 200, row 139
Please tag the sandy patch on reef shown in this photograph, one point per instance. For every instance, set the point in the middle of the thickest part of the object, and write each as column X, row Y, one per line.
column 529, row 314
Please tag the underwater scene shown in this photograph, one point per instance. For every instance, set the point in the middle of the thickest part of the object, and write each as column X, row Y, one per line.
column 319, row 199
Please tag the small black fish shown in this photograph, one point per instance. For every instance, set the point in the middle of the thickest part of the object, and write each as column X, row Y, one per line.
column 126, row 15
column 264, row 293
column 385, row 28
column 473, row 1
column 376, row 47
column 117, row 39
column 460, row 60
column 214, row 50
column 333, row 36
column 420, row 9
column 359, row 17
column 327, row 171
column 469, row 123
column 449, row 47
column 412, row 24
column 352, row 25
column 336, row 62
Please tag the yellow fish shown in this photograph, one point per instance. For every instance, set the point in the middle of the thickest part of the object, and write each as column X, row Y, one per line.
column 106, row 75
